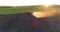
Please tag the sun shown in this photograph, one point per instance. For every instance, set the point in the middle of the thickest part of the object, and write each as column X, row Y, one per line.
column 46, row 4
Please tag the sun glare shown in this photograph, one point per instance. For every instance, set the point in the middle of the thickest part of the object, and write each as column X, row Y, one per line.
column 46, row 4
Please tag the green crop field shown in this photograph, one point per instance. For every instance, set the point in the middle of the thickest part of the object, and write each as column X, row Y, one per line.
column 4, row 11
column 11, row 10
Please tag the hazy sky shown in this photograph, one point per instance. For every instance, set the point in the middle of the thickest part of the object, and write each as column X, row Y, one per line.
column 27, row 2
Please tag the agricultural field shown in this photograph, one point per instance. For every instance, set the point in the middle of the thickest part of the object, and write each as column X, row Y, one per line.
column 13, row 10
column 4, row 11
